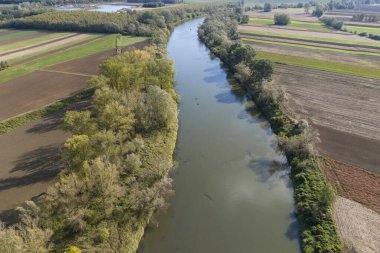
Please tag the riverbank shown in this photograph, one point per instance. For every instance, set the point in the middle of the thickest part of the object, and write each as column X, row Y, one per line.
column 313, row 196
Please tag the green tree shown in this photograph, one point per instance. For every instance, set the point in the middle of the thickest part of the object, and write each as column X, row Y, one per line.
column 267, row 7
column 281, row 19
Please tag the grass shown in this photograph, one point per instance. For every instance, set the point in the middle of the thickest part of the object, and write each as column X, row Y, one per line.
column 99, row 45
column 311, row 47
column 337, row 67
column 361, row 29
column 30, row 42
column 311, row 39
column 294, row 24
column 16, row 34
column 10, row 124
column 71, row 43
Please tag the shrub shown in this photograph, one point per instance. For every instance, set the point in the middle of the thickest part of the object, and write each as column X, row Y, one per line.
column 3, row 65
column 281, row 19
column 267, row 7
column 318, row 12
column 332, row 22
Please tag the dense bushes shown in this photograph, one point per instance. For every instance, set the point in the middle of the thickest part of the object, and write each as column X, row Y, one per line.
column 281, row 19
column 313, row 197
column 332, row 22
column 153, row 4
column 117, row 163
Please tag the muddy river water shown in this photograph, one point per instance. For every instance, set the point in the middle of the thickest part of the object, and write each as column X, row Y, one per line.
column 232, row 192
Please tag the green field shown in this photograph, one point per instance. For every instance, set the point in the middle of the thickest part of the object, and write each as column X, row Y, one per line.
column 16, row 34
column 312, row 47
column 71, row 43
column 99, row 45
column 30, row 42
column 294, row 24
column 342, row 68
column 312, row 39
column 361, row 29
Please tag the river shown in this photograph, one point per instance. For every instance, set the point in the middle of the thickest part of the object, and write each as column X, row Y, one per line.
column 232, row 191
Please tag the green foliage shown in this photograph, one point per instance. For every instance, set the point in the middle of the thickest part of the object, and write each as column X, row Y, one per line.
column 281, row 19
column 3, row 65
column 332, row 22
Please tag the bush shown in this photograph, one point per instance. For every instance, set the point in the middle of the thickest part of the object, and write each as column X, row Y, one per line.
column 281, row 19
column 267, row 7
column 332, row 22
column 362, row 34
column 318, row 12
column 153, row 5
column 3, row 65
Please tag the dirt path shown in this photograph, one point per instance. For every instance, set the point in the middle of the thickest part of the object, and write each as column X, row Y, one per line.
column 44, row 46
column 31, row 159
column 359, row 227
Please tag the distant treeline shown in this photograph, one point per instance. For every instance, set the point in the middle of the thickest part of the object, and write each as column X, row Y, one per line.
column 313, row 196
column 23, row 10
column 129, row 22
column 63, row 2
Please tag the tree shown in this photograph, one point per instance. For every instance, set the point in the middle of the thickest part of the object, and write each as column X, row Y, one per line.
column 318, row 12
column 281, row 19
column 307, row 7
column 267, row 7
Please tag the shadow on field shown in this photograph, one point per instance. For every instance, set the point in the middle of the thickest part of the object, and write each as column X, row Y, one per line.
column 42, row 164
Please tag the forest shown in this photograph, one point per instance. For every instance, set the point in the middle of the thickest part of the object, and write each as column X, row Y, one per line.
column 313, row 196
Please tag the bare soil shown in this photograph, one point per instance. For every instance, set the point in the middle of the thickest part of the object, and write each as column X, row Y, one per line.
column 31, row 159
column 307, row 33
column 364, row 60
column 294, row 14
column 365, row 189
column 359, row 227
column 345, row 109
column 34, row 49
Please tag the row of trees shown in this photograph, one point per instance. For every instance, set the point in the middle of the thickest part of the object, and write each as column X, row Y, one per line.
column 131, row 22
column 23, row 10
column 313, row 196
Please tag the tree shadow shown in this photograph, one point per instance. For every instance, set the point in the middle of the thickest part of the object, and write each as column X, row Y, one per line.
column 40, row 165
column 49, row 123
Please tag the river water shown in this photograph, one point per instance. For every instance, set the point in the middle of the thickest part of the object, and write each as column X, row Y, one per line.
column 232, row 192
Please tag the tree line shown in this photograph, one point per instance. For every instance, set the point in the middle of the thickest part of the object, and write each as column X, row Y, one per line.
column 313, row 196
column 130, row 22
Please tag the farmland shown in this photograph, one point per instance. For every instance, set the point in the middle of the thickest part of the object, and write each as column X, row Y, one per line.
column 330, row 78
column 45, row 67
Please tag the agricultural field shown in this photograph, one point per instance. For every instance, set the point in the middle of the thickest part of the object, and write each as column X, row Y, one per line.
column 331, row 79
column 44, row 68
column 297, row 14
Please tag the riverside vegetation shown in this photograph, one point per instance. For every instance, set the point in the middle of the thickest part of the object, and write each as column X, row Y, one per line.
column 313, row 196
column 117, row 161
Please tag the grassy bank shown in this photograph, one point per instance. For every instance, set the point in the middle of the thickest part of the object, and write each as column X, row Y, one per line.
column 98, row 45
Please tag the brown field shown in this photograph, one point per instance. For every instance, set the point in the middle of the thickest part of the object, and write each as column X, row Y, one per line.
column 345, row 110
column 294, row 14
column 364, row 60
column 42, row 87
column 31, row 159
column 365, row 189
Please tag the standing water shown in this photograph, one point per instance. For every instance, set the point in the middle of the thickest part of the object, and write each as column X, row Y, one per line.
column 232, row 193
